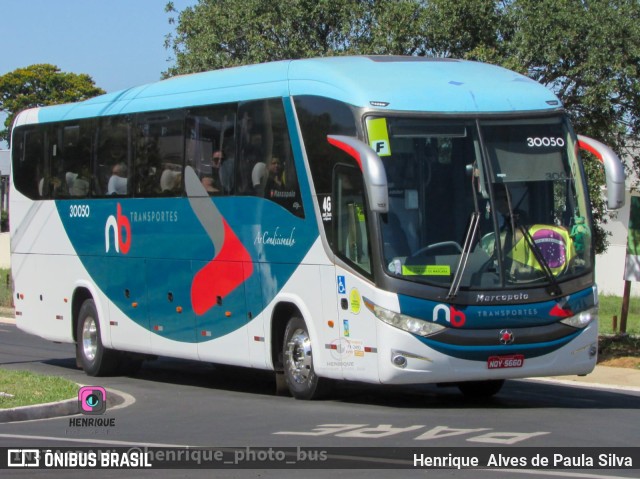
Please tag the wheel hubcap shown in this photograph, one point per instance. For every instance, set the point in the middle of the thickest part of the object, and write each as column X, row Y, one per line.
column 298, row 356
column 89, row 339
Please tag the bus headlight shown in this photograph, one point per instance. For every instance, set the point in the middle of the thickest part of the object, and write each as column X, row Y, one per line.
column 402, row 321
column 582, row 320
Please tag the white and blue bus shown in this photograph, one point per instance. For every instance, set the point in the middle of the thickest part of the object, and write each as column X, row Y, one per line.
column 393, row 220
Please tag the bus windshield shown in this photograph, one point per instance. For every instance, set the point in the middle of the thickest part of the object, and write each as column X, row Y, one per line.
column 484, row 204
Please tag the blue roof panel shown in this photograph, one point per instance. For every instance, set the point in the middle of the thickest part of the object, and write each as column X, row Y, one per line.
column 447, row 86
column 406, row 83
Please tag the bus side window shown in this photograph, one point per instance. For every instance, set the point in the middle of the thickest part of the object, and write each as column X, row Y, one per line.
column 351, row 237
column 211, row 146
column 319, row 117
column 158, row 160
column 29, row 165
column 56, row 187
column 113, row 157
column 266, row 166
column 78, row 149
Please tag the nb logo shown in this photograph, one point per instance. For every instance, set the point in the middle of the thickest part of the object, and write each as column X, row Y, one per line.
column 121, row 228
column 451, row 315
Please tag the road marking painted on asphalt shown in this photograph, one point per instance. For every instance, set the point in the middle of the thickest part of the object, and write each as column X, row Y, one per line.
column 92, row 441
column 384, row 430
column 582, row 475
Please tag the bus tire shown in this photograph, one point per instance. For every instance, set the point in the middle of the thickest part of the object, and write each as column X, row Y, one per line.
column 481, row 389
column 93, row 357
column 301, row 379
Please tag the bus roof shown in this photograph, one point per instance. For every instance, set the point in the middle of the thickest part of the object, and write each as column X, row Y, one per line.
column 402, row 83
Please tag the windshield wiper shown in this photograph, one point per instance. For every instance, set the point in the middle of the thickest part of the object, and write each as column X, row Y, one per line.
column 554, row 288
column 469, row 241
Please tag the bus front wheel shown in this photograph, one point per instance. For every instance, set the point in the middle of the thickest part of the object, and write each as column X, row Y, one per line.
column 93, row 357
column 301, row 379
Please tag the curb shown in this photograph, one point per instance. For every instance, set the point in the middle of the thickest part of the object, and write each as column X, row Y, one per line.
column 40, row 411
column 583, row 384
column 67, row 407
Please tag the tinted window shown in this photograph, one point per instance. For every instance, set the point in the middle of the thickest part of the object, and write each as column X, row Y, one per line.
column 113, row 166
column 265, row 161
column 351, row 239
column 211, row 147
column 72, row 153
column 319, row 117
column 158, row 154
column 30, row 174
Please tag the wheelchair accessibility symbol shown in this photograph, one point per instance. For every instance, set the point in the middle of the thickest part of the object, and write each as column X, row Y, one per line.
column 342, row 285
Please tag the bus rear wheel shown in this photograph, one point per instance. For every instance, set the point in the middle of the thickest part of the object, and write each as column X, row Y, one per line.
column 481, row 389
column 301, row 379
column 93, row 357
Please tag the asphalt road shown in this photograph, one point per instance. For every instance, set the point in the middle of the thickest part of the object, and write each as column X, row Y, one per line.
column 172, row 402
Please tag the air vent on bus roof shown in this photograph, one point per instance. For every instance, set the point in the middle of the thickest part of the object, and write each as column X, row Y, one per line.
column 400, row 58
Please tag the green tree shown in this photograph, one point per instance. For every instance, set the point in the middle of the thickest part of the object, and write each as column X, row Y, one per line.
column 41, row 85
column 223, row 33
column 587, row 52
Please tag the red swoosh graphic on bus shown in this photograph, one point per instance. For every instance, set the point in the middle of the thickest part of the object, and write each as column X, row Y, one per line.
column 560, row 312
column 229, row 269
column 349, row 150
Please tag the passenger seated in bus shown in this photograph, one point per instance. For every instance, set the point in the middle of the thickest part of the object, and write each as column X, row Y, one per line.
column 49, row 187
column 259, row 178
column 80, row 183
column 511, row 216
column 216, row 162
column 275, row 182
column 170, row 181
column 226, row 170
column 118, row 181
column 249, row 157
column 209, row 185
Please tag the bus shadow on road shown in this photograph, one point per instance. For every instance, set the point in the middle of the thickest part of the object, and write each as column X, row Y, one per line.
column 516, row 394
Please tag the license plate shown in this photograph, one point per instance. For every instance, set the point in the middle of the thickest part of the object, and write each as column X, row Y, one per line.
column 511, row 361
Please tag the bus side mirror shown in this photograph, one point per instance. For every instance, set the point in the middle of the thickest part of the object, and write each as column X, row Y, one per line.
column 613, row 169
column 373, row 172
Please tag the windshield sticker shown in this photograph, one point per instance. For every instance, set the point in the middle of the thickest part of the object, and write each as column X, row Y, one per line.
column 355, row 300
column 379, row 136
column 426, row 270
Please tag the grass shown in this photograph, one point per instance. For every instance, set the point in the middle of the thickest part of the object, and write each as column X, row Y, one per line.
column 612, row 306
column 6, row 292
column 24, row 388
column 619, row 351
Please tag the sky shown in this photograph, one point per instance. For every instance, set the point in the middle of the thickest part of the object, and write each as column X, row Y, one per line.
column 118, row 43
